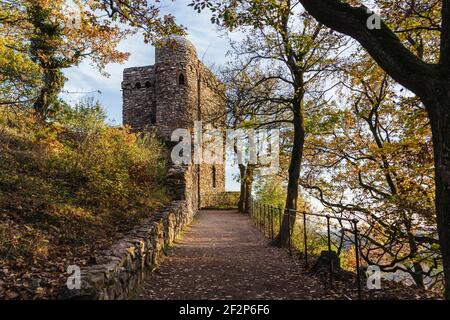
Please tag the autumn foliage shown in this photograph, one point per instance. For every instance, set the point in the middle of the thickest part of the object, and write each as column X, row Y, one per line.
column 67, row 189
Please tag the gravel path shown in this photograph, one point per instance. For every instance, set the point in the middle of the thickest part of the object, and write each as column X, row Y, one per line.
column 223, row 256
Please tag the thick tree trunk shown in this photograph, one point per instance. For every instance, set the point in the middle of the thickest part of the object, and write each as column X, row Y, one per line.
column 282, row 240
column 48, row 93
column 438, row 107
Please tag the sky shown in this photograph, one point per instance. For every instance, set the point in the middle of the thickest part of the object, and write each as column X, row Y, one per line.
column 86, row 81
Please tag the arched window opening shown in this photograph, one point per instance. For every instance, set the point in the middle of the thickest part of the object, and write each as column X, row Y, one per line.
column 148, row 84
column 138, row 85
column 181, row 80
column 213, row 176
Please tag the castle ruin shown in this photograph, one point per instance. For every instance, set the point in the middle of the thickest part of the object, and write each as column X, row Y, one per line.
column 173, row 93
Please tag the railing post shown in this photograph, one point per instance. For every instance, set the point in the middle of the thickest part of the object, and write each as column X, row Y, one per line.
column 358, row 275
column 264, row 220
column 260, row 217
column 271, row 222
column 305, row 240
column 255, row 214
column 266, row 216
column 258, row 213
column 289, row 231
column 280, row 212
column 329, row 252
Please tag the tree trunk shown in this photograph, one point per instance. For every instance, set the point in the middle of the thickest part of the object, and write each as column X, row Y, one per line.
column 242, row 195
column 248, row 187
column 48, row 95
column 438, row 107
column 282, row 240
column 45, row 38
column 418, row 275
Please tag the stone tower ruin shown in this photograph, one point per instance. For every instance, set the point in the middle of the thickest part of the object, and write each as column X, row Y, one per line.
column 173, row 93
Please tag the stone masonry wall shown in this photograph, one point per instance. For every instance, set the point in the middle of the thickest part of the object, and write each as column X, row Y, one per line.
column 119, row 270
column 139, row 99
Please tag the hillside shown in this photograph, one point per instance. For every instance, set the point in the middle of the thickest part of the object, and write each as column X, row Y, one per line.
column 68, row 188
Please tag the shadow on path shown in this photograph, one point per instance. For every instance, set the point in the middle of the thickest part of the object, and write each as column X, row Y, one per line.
column 223, row 256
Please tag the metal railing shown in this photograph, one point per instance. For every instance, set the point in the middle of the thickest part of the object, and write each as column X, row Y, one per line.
column 266, row 216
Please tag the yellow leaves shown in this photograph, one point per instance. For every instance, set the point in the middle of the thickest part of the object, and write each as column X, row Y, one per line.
column 47, row 138
column 69, row 211
column 419, row 21
column 14, row 64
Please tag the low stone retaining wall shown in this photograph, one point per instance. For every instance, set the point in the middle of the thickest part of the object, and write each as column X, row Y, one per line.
column 118, row 271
